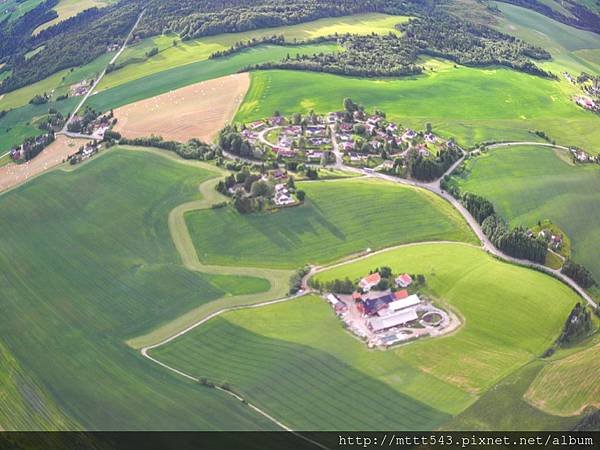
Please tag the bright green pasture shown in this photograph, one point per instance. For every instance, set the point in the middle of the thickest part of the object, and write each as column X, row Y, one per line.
column 87, row 261
column 528, row 184
column 474, row 105
column 338, row 218
column 566, row 44
column 501, row 305
column 295, row 361
column 186, row 52
column 177, row 77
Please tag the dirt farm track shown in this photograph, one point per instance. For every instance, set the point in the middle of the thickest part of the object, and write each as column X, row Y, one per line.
column 196, row 111
column 12, row 174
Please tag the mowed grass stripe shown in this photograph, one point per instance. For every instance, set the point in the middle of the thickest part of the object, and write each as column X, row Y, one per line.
column 339, row 218
column 309, row 389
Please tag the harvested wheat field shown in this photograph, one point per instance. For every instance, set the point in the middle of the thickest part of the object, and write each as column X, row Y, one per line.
column 12, row 174
column 196, row 111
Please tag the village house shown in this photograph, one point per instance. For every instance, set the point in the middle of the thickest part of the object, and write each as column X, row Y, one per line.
column 369, row 282
column 276, row 120
column 391, row 128
column 409, row 135
column 255, row 126
column 586, row 103
column 285, row 152
column 338, row 305
column 403, row 280
column 282, row 196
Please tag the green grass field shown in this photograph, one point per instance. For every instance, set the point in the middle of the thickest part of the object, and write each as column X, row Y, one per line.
column 577, row 376
column 11, row 10
column 571, row 49
column 339, row 218
column 295, row 360
column 86, row 262
column 69, row 8
column 187, row 52
column 504, row 408
column 528, row 184
column 500, row 304
column 474, row 105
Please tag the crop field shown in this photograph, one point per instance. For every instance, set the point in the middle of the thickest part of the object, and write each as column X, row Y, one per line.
column 338, row 218
column 12, row 175
column 288, row 358
column 87, row 261
column 196, row 111
column 499, row 302
column 171, row 56
column 529, row 184
column 473, row 105
column 568, row 386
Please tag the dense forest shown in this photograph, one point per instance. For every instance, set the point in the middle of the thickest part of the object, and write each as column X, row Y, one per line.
column 579, row 273
column 440, row 35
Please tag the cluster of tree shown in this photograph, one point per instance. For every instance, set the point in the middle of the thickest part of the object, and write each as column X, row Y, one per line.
column 34, row 146
column 80, row 123
column 296, row 279
column 39, row 99
column 470, row 44
column 514, row 242
column 337, row 286
column 578, row 273
column 230, row 140
column 240, row 45
column 580, row 16
column 578, row 325
column 54, row 121
column 428, row 169
column 152, row 52
column 590, row 422
column 193, row 149
column 440, row 35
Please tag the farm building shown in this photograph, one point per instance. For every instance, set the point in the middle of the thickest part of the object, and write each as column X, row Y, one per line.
column 404, row 280
column 336, row 303
column 400, row 318
column 368, row 282
column 398, row 305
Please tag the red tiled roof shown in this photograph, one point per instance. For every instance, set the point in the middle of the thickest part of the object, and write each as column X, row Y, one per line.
column 374, row 278
column 399, row 295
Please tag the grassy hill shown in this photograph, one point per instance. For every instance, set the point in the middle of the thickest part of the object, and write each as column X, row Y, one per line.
column 577, row 376
column 528, row 184
column 296, row 361
column 474, row 105
column 339, row 218
column 86, row 261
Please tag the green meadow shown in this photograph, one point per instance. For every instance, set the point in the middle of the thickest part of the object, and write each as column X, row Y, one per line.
column 572, row 49
column 86, row 262
column 577, row 376
column 186, row 52
column 473, row 105
column 295, row 360
column 529, row 184
column 338, row 218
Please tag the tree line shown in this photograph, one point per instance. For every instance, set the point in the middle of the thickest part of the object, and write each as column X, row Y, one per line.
column 440, row 35
column 193, row 149
column 578, row 273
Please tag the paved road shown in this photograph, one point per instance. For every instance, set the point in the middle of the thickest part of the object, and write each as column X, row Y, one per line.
column 93, row 88
column 486, row 244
